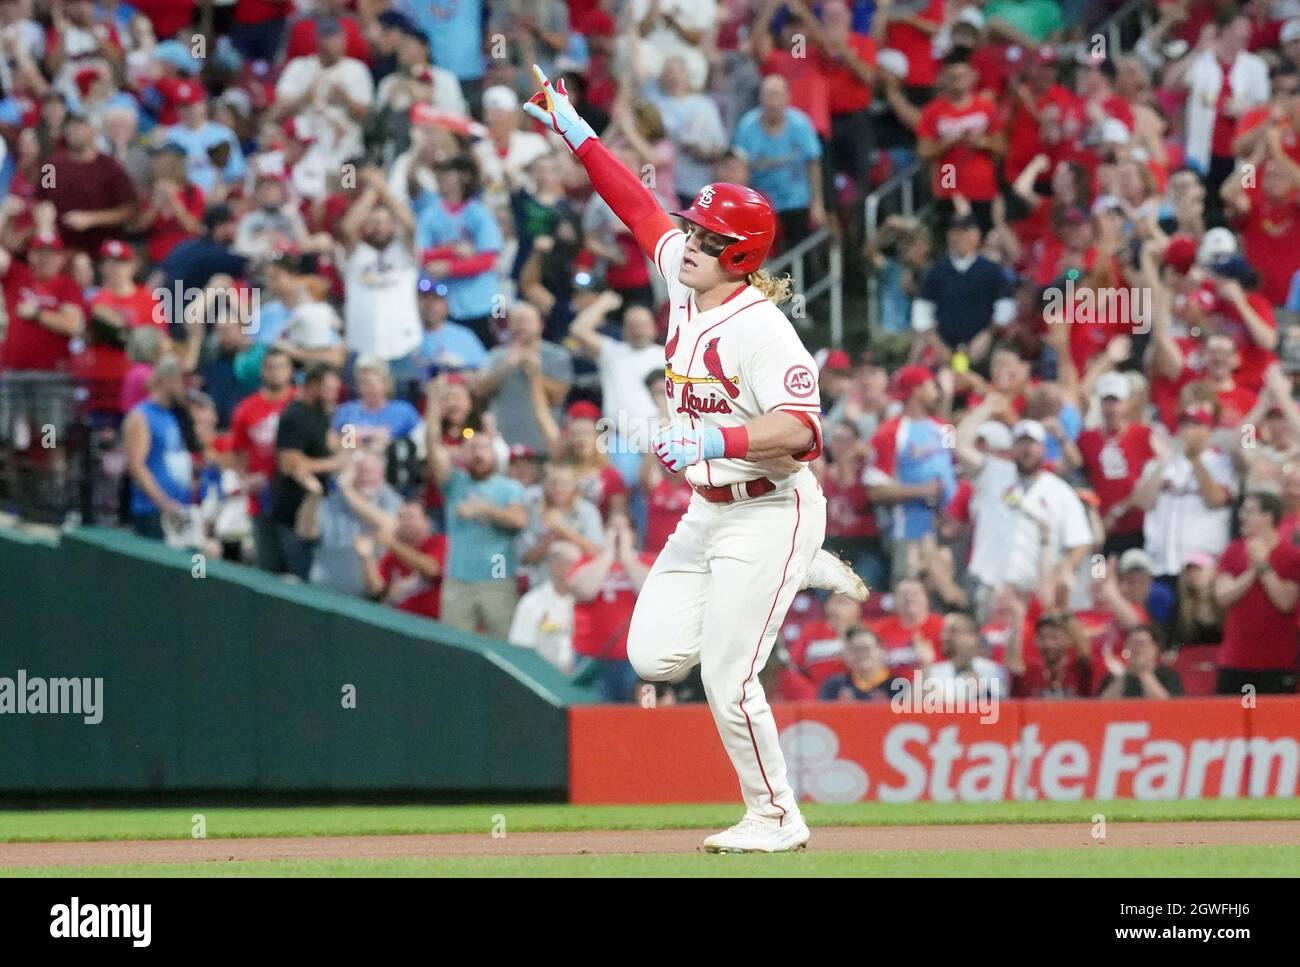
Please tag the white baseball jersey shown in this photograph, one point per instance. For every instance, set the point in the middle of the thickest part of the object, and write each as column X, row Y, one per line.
column 730, row 364
column 1180, row 524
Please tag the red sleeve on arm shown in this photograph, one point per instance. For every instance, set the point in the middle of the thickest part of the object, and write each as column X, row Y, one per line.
column 810, row 421
column 472, row 264
column 630, row 200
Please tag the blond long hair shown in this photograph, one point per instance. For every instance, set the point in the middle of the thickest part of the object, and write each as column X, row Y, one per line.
column 777, row 288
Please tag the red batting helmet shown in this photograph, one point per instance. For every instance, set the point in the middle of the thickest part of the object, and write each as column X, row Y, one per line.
column 740, row 213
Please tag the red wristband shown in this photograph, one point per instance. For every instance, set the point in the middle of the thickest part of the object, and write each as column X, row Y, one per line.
column 735, row 442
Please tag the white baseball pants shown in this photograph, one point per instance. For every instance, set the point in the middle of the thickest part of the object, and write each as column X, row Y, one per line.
column 716, row 596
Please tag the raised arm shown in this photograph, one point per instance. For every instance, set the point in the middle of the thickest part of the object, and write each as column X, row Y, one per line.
column 622, row 190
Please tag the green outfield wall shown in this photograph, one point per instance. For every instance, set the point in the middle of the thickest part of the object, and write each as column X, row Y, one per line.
column 237, row 681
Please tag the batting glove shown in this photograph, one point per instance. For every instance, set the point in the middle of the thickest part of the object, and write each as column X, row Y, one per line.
column 551, row 106
column 679, row 447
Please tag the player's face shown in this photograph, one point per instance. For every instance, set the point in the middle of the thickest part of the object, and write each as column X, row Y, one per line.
column 701, row 270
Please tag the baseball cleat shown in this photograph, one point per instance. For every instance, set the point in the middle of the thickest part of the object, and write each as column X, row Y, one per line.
column 830, row 573
column 752, row 835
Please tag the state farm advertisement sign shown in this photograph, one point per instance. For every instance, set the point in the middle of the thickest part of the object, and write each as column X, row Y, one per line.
column 1181, row 749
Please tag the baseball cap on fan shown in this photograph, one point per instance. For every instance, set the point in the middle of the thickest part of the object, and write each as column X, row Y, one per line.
column 909, row 379
column 1031, row 429
column 1136, row 559
column 498, row 97
column 1216, row 243
column 994, row 434
column 833, row 360
column 1113, row 386
column 1180, row 253
column 115, row 250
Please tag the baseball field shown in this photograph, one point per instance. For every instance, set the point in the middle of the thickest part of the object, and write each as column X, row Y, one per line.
column 1249, row 838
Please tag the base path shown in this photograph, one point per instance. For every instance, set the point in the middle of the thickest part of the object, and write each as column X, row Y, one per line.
column 826, row 838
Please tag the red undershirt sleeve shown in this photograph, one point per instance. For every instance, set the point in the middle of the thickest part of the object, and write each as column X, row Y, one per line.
column 813, row 423
column 630, row 200
column 472, row 264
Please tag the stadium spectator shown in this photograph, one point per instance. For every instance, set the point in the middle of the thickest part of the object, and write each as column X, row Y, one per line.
column 343, row 516
column 604, row 588
column 1022, row 511
column 965, row 675
column 459, row 241
column 254, row 428
column 43, row 304
column 507, row 153
column 867, row 678
column 911, row 635
column 818, row 652
column 851, row 528
column 1223, row 80
column 408, row 576
column 623, row 363
column 580, row 444
column 964, row 298
column 913, row 473
column 785, row 160
column 543, row 620
column 303, row 465
column 505, row 383
column 1063, row 668
column 381, row 310
column 159, row 464
column 1257, row 584
column 1114, row 456
column 214, row 158
column 692, row 121
column 485, row 510
column 445, row 346
column 1143, row 676
column 1186, row 492
column 92, row 193
column 329, row 90
column 560, row 513
column 959, row 135
column 374, row 419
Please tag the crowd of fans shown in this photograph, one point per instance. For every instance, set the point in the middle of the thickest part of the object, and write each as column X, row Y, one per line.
column 360, row 323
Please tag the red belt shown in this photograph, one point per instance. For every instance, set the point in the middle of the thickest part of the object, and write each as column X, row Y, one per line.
column 726, row 493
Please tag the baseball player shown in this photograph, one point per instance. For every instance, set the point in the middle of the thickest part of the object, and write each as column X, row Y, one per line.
column 743, row 394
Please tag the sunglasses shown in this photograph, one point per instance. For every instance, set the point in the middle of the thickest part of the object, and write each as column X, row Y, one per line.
column 710, row 243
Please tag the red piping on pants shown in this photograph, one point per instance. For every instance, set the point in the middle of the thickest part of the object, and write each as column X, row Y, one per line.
column 753, row 661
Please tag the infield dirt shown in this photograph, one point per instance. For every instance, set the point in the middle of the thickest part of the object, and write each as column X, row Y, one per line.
column 656, row 841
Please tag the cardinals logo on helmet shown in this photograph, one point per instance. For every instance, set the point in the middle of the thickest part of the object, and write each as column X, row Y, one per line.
column 705, row 197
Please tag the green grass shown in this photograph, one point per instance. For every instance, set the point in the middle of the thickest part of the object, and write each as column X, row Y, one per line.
column 1100, row 861
column 38, row 825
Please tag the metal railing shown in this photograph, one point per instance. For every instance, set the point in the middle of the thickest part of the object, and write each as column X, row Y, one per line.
column 820, row 248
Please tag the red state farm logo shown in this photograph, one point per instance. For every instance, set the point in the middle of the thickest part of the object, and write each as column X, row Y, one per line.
column 799, row 381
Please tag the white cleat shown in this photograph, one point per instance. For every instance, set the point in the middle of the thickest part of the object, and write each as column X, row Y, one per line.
column 756, row 836
column 829, row 572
